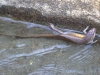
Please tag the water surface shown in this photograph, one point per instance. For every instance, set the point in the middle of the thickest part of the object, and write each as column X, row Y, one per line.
column 43, row 56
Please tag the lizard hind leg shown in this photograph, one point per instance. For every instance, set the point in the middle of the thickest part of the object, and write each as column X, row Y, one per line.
column 55, row 29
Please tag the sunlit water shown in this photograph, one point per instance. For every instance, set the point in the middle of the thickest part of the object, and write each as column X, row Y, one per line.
column 43, row 56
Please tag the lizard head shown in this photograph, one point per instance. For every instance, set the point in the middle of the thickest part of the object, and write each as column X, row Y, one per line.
column 92, row 32
column 90, row 35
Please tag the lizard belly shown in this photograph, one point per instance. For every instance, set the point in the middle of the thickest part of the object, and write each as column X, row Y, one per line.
column 75, row 38
column 77, row 35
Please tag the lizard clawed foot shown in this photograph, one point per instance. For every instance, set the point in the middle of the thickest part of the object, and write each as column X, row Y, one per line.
column 92, row 42
column 95, row 41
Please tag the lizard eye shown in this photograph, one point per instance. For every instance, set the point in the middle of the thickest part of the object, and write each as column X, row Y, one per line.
column 93, row 31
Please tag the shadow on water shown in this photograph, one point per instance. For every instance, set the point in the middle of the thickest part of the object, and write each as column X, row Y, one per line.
column 43, row 56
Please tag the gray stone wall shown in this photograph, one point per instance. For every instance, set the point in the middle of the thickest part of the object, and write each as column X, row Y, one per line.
column 69, row 12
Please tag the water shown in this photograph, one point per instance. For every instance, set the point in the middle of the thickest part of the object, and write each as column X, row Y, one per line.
column 43, row 56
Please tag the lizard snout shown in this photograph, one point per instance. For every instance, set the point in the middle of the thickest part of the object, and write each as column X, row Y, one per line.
column 93, row 30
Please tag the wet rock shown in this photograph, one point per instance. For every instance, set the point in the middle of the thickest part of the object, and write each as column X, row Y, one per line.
column 69, row 13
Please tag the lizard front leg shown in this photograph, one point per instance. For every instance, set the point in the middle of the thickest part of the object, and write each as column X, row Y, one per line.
column 84, row 31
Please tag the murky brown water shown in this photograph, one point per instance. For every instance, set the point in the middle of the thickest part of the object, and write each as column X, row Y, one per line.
column 43, row 56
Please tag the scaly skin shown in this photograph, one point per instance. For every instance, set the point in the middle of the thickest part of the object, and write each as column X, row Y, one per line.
column 85, row 38
column 78, row 38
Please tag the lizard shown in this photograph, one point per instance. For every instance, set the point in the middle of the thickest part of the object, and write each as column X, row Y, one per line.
column 85, row 38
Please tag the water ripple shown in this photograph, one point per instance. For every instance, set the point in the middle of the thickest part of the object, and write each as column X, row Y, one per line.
column 38, row 52
column 2, row 50
column 81, row 54
column 31, row 25
column 41, row 51
column 28, row 24
column 51, row 69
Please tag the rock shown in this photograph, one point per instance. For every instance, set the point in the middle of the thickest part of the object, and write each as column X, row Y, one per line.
column 67, row 12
